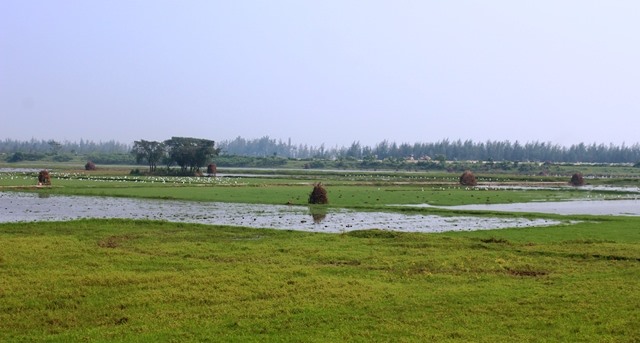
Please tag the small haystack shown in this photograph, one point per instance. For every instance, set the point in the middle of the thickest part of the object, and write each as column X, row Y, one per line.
column 577, row 180
column 318, row 195
column 44, row 178
column 468, row 179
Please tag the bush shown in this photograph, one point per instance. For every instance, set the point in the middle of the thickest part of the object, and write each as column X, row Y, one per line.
column 21, row 156
column 62, row 158
column 90, row 166
column 44, row 178
column 318, row 195
column 315, row 165
column 16, row 157
column 577, row 180
column 468, row 179
column 114, row 158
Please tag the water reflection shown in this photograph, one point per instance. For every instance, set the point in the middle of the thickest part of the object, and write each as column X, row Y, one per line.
column 318, row 214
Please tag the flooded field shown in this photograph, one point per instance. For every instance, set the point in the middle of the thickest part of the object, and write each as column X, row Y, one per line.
column 29, row 207
column 594, row 207
column 628, row 207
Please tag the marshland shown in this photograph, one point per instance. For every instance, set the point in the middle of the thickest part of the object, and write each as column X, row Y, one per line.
column 107, row 255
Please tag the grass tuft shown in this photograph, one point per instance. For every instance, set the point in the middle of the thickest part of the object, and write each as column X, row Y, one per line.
column 373, row 233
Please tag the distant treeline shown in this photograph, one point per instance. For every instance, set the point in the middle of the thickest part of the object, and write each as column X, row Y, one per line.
column 83, row 147
column 110, row 152
column 441, row 150
column 444, row 149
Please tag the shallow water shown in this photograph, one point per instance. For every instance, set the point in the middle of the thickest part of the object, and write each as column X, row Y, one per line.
column 30, row 207
column 20, row 170
column 604, row 188
column 628, row 207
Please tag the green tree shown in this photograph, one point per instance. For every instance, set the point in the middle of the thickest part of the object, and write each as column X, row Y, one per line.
column 55, row 147
column 149, row 151
column 191, row 154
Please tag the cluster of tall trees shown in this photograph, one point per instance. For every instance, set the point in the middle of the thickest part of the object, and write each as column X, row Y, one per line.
column 499, row 151
column 190, row 154
column 265, row 146
column 452, row 150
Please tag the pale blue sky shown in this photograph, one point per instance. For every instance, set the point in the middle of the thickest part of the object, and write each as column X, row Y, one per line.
column 317, row 72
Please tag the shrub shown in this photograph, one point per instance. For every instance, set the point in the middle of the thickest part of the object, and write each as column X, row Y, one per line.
column 44, row 178
column 577, row 180
column 62, row 158
column 90, row 166
column 318, row 195
column 16, row 157
column 22, row 156
column 111, row 158
column 314, row 164
column 468, row 179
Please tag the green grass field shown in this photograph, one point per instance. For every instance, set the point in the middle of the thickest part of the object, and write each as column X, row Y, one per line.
column 145, row 281
column 111, row 280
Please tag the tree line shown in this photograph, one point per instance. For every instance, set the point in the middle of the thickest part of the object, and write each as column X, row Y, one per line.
column 83, row 147
column 110, row 152
column 115, row 152
column 497, row 151
column 444, row 149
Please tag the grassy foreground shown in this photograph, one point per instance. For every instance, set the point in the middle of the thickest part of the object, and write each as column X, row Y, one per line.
column 140, row 281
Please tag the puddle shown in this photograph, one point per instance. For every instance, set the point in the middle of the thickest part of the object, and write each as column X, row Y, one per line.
column 624, row 207
column 30, row 207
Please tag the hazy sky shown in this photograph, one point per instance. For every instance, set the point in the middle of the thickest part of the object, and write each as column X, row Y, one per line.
column 323, row 71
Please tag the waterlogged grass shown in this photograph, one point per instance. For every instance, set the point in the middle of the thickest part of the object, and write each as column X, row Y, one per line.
column 345, row 190
column 139, row 281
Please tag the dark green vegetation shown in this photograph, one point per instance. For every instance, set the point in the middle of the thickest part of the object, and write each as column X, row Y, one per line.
column 146, row 281
column 269, row 152
column 190, row 154
column 444, row 149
